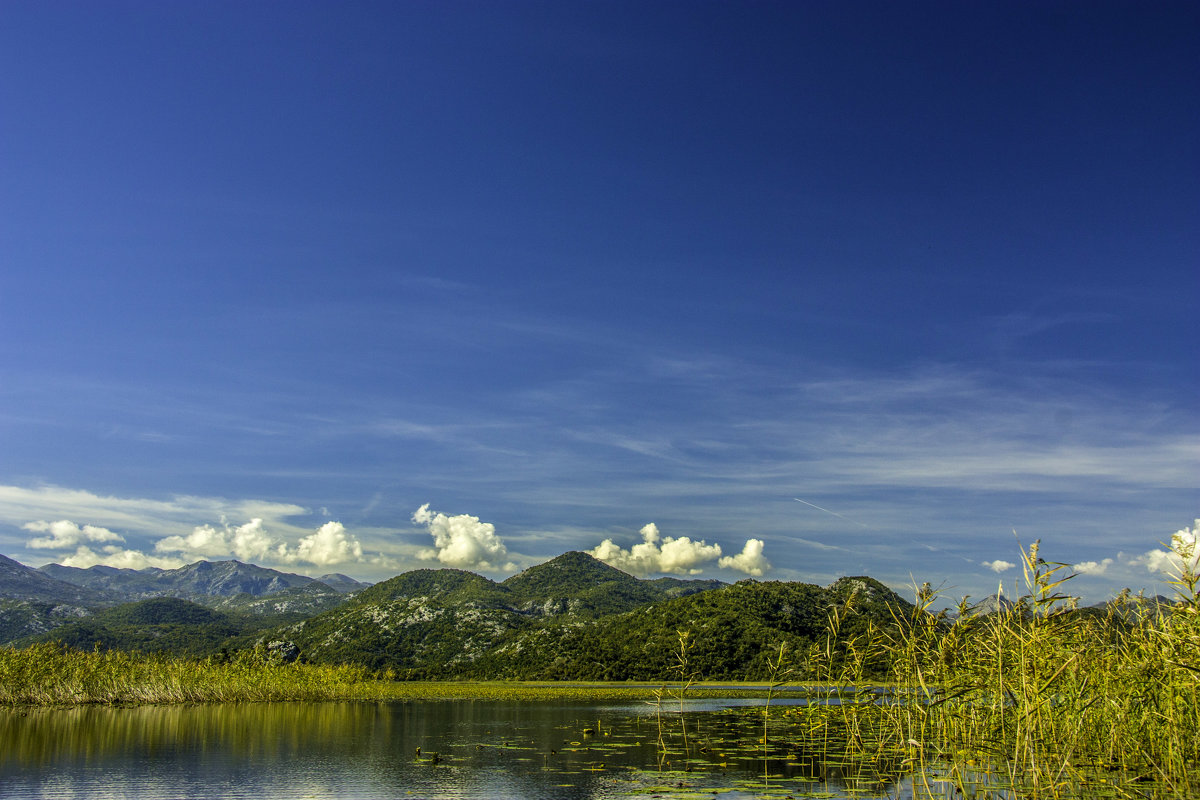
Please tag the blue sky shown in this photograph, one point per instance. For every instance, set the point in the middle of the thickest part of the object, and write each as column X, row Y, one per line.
column 840, row 288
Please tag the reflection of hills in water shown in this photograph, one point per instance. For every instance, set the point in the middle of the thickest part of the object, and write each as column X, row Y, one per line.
column 485, row 749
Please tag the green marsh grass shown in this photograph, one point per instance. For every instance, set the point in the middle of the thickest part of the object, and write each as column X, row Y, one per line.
column 779, row 669
column 51, row 674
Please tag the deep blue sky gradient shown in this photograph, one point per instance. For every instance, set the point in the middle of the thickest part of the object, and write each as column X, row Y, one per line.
column 576, row 267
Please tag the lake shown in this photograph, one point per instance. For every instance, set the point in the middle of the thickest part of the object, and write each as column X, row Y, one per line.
column 486, row 749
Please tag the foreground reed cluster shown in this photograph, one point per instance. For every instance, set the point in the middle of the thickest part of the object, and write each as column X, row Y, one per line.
column 1041, row 697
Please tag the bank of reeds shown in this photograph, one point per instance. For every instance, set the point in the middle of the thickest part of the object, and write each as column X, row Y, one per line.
column 51, row 674
column 1040, row 695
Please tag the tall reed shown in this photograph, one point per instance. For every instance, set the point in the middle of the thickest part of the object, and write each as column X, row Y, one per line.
column 1039, row 695
column 1052, row 696
column 51, row 674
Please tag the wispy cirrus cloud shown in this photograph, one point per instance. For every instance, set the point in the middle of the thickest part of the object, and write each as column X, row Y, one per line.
column 1015, row 326
column 935, row 456
column 19, row 504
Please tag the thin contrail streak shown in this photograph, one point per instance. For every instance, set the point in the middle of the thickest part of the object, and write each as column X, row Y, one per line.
column 834, row 513
column 868, row 527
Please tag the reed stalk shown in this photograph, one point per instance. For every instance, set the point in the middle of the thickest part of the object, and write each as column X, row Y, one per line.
column 1040, row 695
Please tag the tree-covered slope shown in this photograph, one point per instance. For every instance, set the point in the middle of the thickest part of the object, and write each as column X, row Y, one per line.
column 444, row 622
column 163, row 624
column 576, row 583
column 571, row 618
column 576, row 618
column 440, row 617
column 22, row 618
column 731, row 632
column 291, row 605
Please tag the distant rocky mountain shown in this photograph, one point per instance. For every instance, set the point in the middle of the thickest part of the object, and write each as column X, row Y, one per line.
column 38, row 601
column 296, row 603
column 32, row 603
column 126, row 583
column 19, row 582
column 1136, row 601
column 991, row 604
column 203, row 579
column 342, row 583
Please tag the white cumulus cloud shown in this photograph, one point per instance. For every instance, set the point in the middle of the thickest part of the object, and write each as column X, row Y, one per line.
column 204, row 541
column 749, row 561
column 656, row 553
column 65, row 535
column 247, row 542
column 251, row 541
column 330, row 545
column 999, row 565
column 119, row 557
column 1092, row 567
column 1184, row 553
column 462, row 541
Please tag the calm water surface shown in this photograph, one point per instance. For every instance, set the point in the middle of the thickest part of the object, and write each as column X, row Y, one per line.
column 498, row 750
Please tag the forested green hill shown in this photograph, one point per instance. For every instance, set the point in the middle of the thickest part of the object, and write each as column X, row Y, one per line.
column 161, row 624
column 576, row 618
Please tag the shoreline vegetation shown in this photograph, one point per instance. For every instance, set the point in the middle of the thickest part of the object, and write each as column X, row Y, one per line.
column 1037, row 696
column 51, row 675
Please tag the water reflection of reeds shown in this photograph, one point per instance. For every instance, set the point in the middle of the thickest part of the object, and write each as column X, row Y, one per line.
column 532, row 748
column 257, row 731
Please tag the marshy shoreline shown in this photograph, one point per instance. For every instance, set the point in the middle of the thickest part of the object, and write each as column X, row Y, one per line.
column 1050, row 701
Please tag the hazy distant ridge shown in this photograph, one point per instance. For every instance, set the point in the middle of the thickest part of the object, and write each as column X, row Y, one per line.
column 201, row 579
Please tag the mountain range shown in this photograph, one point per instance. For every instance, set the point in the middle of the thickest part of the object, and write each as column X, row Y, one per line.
column 199, row 580
column 35, row 602
column 571, row 618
